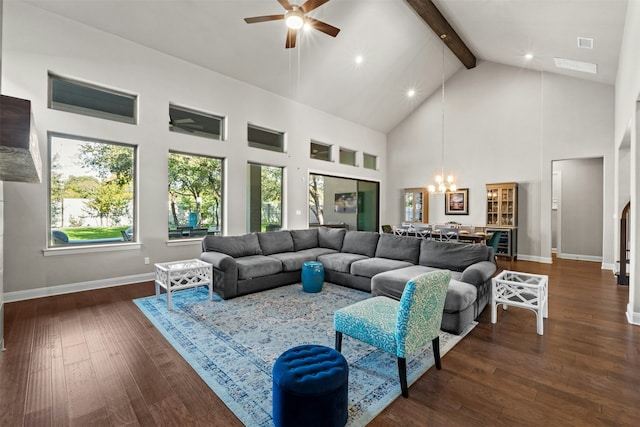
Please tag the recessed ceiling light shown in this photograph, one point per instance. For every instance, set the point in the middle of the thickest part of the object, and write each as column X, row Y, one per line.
column 411, row 93
column 528, row 56
column 359, row 59
column 570, row 64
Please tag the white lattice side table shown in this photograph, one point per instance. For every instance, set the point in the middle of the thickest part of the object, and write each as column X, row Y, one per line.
column 522, row 290
column 177, row 275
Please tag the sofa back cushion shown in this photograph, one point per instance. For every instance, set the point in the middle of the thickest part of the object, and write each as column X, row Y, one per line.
column 305, row 239
column 235, row 246
column 398, row 247
column 331, row 238
column 275, row 242
column 452, row 256
column 360, row 242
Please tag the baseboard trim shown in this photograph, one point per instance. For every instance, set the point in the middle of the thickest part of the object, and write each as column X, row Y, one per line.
column 543, row 260
column 76, row 287
column 632, row 317
column 611, row 267
column 579, row 257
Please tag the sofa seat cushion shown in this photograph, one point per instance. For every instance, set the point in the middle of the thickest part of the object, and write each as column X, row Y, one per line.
column 292, row 261
column 340, row 262
column 372, row 266
column 257, row 266
column 460, row 295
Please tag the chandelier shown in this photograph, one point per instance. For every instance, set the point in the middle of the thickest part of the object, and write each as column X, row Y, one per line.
column 443, row 183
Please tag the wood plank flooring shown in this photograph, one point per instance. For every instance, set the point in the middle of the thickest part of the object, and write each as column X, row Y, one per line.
column 91, row 358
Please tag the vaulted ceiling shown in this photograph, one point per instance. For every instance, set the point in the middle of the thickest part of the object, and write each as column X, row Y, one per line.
column 399, row 51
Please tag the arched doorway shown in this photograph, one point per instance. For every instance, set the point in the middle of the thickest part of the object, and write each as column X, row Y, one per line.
column 625, row 250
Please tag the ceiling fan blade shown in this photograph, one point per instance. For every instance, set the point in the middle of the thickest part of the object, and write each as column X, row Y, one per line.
column 309, row 5
column 263, row 18
column 322, row 26
column 286, row 4
column 292, row 35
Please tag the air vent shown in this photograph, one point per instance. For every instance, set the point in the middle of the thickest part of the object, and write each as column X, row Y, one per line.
column 585, row 43
column 569, row 64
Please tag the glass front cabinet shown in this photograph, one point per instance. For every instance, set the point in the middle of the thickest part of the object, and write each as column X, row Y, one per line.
column 502, row 205
column 416, row 205
column 502, row 215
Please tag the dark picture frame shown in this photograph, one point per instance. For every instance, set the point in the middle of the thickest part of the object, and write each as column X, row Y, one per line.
column 456, row 202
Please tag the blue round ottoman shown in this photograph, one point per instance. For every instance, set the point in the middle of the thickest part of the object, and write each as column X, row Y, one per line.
column 310, row 387
column 312, row 276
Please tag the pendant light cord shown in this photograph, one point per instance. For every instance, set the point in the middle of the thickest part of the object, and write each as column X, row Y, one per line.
column 443, row 36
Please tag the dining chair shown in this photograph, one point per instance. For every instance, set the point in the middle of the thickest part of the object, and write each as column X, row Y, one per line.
column 493, row 241
column 423, row 231
column 401, row 230
column 448, row 234
column 399, row 327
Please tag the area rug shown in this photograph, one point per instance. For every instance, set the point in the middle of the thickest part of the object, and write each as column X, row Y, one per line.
column 233, row 345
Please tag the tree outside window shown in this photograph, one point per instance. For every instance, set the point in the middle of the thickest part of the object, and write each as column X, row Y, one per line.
column 195, row 195
column 264, row 198
column 92, row 191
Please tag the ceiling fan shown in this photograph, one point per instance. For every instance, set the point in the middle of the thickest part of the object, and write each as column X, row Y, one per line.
column 187, row 124
column 295, row 17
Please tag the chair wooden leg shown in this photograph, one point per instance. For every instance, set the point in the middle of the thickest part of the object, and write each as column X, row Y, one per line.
column 402, row 373
column 435, row 343
column 338, row 344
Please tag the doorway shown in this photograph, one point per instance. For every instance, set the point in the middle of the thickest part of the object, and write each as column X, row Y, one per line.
column 577, row 207
column 347, row 202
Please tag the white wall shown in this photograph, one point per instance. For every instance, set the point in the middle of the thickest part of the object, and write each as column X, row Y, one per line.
column 505, row 124
column 36, row 42
column 627, row 121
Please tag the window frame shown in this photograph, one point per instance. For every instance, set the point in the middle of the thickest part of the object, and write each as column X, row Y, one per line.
column 347, row 150
column 222, row 193
column 371, row 156
column 77, row 109
column 321, row 144
column 114, row 245
column 261, row 146
column 282, row 194
column 222, row 119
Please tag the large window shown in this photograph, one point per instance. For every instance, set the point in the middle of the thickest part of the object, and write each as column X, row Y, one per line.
column 264, row 197
column 191, row 122
column 90, row 100
column 92, row 191
column 195, row 195
column 265, row 139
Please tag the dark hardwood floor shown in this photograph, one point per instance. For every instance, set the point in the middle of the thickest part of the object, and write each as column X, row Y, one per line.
column 92, row 358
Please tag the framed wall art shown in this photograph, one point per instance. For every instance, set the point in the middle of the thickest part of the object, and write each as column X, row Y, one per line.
column 456, row 202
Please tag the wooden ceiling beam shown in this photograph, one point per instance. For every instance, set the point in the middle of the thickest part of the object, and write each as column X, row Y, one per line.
column 434, row 19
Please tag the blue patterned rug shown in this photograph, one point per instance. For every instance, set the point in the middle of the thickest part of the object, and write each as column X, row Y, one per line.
column 233, row 345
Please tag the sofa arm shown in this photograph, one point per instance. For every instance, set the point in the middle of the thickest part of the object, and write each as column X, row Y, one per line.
column 477, row 274
column 225, row 273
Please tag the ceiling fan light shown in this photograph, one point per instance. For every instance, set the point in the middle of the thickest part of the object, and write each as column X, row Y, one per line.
column 294, row 19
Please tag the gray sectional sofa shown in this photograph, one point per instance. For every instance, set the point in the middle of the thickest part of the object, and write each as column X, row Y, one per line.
column 372, row 262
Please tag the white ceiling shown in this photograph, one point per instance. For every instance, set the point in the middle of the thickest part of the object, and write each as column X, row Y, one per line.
column 400, row 51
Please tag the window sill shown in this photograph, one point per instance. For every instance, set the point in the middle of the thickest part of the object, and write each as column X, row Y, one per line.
column 91, row 248
column 185, row 242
